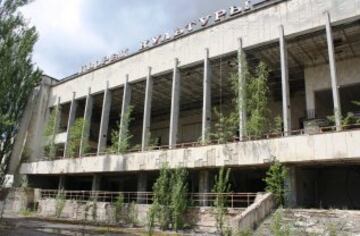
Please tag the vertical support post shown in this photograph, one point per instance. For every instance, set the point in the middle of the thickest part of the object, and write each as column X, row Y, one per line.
column 104, row 120
column 96, row 183
column 242, row 91
column 124, row 109
column 141, row 188
column 204, row 187
column 291, row 188
column 62, row 182
column 87, row 123
column 206, row 114
column 333, row 75
column 285, row 83
column 72, row 113
column 175, row 100
column 147, row 111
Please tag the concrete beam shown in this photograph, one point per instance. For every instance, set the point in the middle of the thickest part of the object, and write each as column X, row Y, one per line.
column 147, row 111
column 125, row 109
column 333, row 75
column 285, row 87
column 206, row 113
column 87, row 123
column 104, row 120
column 71, row 120
column 175, row 103
column 242, row 91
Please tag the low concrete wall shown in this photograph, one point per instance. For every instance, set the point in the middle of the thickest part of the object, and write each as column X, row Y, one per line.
column 13, row 200
column 199, row 218
column 255, row 213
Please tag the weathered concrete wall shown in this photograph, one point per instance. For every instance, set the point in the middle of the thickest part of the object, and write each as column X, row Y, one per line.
column 255, row 213
column 340, row 146
column 255, row 28
column 318, row 78
column 29, row 139
column 14, row 200
column 200, row 218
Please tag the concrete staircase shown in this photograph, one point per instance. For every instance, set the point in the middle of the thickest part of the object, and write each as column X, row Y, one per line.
column 316, row 222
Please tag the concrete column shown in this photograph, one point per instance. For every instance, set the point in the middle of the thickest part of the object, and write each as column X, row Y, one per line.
column 96, row 183
column 71, row 120
column 333, row 75
column 175, row 103
column 204, row 186
column 141, row 187
column 87, row 122
column 104, row 120
column 285, row 83
column 147, row 111
column 242, row 91
column 206, row 114
column 125, row 107
column 291, row 188
column 62, row 179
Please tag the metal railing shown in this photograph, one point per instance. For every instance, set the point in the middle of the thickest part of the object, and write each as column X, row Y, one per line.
column 322, row 130
column 232, row 200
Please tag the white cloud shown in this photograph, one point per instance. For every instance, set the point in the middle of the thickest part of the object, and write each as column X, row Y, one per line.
column 63, row 34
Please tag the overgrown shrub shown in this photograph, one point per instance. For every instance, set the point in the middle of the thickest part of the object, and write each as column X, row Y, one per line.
column 60, row 203
column 75, row 138
column 49, row 135
column 275, row 181
column 225, row 127
column 132, row 214
column 277, row 227
column 118, row 207
column 221, row 186
column 179, row 201
column 257, row 102
column 169, row 200
column 120, row 137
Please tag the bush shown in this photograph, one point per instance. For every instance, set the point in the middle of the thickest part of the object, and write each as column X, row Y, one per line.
column 118, row 207
column 275, row 181
column 277, row 228
column 60, row 204
column 221, row 186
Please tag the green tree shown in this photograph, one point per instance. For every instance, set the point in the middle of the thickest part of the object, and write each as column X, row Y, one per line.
column 169, row 200
column 162, row 198
column 275, row 181
column 18, row 76
column 49, row 133
column 225, row 127
column 118, row 207
column 179, row 201
column 121, row 140
column 221, row 186
column 257, row 101
column 75, row 138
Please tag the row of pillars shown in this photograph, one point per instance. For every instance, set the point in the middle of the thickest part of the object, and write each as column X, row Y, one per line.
column 206, row 110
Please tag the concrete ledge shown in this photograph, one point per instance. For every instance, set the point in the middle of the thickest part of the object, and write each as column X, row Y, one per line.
column 340, row 146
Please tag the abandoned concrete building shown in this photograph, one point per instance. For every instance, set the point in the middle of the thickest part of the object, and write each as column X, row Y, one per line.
column 173, row 83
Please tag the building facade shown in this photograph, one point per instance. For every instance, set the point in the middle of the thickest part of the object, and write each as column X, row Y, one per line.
column 174, row 82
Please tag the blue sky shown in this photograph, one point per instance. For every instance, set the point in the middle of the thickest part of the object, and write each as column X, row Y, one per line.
column 76, row 32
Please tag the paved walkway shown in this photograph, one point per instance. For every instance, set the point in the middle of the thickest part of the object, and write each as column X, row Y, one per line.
column 31, row 227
